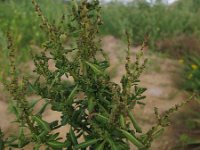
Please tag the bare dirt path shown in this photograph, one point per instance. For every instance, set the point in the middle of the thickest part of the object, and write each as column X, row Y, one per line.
column 158, row 79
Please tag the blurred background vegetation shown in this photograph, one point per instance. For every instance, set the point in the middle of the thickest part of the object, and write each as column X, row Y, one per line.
column 173, row 29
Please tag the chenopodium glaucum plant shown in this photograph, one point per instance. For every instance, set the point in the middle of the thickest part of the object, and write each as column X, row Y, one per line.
column 102, row 117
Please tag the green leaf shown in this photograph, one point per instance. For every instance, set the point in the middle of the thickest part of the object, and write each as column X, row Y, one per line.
column 43, row 134
column 33, row 103
column 122, row 121
column 42, row 109
column 139, row 90
column 101, row 118
column 14, row 110
column 134, row 122
column 86, row 144
column 73, row 137
column 1, row 144
column 71, row 95
column 95, row 68
column 36, row 147
column 91, row 104
column 21, row 138
column 132, row 139
column 104, row 64
column 53, row 136
column 54, row 124
column 103, row 109
column 100, row 146
column 112, row 144
column 41, row 123
column 56, row 144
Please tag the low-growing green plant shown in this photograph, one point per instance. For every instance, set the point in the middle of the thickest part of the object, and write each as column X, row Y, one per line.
column 102, row 117
column 191, row 118
column 192, row 73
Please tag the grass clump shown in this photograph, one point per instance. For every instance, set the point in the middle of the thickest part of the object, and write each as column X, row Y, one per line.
column 102, row 116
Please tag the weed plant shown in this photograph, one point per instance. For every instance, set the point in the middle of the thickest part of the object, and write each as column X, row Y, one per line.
column 192, row 73
column 191, row 118
column 158, row 20
column 103, row 115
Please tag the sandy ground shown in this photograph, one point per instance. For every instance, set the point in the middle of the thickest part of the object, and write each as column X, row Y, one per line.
column 159, row 80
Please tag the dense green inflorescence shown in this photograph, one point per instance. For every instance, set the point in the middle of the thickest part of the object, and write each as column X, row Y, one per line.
column 95, row 109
